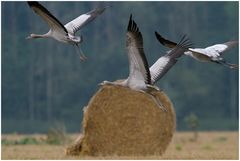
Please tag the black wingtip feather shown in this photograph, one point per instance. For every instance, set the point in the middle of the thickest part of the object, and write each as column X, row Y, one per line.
column 185, row 42
column 33, row 3
column 164, row 41
column 129, row 23
column 160, row 38
column 132, row 26
column 183, row 45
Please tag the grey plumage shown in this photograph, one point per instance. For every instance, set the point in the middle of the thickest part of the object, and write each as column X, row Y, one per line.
column 167, row 61
column 209, row 54
column 60, row 32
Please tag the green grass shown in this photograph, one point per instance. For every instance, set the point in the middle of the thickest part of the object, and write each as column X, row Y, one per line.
column 23, row 141
column 221, row 139
column 178, row 147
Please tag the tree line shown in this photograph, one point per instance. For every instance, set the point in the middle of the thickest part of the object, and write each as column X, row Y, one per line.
column 43, row 81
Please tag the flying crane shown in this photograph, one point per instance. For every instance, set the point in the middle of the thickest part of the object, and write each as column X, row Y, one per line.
column 209, row 54
column 64, row 33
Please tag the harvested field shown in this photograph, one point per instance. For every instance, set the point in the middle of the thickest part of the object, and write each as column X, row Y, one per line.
column 210, row 145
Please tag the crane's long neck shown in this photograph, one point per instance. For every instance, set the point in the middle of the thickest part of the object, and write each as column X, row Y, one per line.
column 39, row 36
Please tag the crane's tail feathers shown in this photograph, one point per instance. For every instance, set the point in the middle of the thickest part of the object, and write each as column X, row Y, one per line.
column 82, row 56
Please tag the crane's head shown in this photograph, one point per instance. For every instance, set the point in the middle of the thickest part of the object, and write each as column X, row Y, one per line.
column 30, row 36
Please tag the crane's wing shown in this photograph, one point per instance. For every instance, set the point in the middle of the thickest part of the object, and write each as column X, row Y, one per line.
column 137, row 60
column 79, row 22
column 199, row 54
column 165, row 42
column 166, row 62
column 214, row 51
column 221, row 48
column 52, row 21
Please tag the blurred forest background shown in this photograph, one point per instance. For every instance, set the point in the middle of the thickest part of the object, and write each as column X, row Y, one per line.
column 44, row 83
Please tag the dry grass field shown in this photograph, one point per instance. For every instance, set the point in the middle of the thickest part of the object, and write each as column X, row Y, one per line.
column 210, row 145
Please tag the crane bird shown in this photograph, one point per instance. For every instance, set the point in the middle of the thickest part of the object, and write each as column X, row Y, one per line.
column 139, row 78
column 64, row 33
column 209, row 54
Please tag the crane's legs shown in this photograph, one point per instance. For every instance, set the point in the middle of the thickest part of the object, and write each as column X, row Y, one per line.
column 226, row 64
column 158, row 102
column 82, row 56
column 232, row 66
column 155, row 99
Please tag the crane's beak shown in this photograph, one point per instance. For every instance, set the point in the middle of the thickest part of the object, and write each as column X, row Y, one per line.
column 29, row 37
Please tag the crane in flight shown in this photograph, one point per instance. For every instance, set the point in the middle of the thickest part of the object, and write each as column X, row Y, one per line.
column 64, row 33
column 139, row 78
column 209, row 54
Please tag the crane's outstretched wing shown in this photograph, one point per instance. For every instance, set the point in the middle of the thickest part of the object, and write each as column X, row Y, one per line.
column 166, row 62
column 52, row 21
column 221, row 48
column 79, row 22
column 138, row 64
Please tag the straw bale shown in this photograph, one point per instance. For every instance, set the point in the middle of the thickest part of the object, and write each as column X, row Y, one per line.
column 120, row 121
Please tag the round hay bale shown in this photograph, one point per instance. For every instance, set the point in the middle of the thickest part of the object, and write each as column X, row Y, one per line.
column 120, row 121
